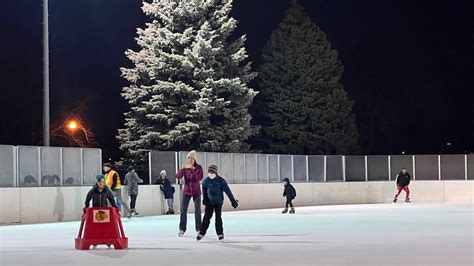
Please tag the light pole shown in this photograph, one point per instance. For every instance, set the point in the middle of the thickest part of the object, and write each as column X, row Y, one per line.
column 46, row 129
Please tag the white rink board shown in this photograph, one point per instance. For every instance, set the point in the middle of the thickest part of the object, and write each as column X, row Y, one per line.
column 52, row 204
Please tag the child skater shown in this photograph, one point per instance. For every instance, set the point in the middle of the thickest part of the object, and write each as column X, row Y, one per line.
column 168, row 191
column 290, row 193
column 213, row 188
column 403, row 180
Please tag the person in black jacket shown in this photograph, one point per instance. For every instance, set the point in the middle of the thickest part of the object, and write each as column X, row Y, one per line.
column 99, row 194
column 403, row 180
column 290, row 193
column 213, row 189
column 167, row 189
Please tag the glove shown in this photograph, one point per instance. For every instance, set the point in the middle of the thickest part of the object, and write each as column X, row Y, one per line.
column 235, row 204
column 206, row 202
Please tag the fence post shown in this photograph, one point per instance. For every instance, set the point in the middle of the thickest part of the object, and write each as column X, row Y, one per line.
column 278, row 168
column 366, row 170
column 256, row 168
column 325, row 168
column 439, row 167
column 414, row 171
column 344, row 168
column 307, row 168
column 16, row 183
column 244, row 178
column 292, row 168
column 268, row 169
column 61, row 167
column 232, row 166
column 389, row 169
column 150, row 177
column 82, row 165
column 465, row 166
column 39, row 167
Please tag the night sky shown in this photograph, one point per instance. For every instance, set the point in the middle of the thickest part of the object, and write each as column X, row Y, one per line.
column 411, row 61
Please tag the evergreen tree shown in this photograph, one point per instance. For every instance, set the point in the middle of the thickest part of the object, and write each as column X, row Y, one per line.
column 188, row 86
column 303, row 105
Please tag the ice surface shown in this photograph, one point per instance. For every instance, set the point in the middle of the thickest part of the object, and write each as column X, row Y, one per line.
column 384, row 234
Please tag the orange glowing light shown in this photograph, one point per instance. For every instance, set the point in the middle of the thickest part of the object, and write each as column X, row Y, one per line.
column 72, row 125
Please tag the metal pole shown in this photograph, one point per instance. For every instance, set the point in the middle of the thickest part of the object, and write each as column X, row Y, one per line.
column 366, row 169
column 150, row 181
column 465, row 167
column 307, row 168
column 414, row 168
column 268, row 169
column 439, row 167
column 292, row 168
column 61, row 167
column 344, row 168
column 46, row 136
column 38, row 152
column 325, row 168
column 389, row 169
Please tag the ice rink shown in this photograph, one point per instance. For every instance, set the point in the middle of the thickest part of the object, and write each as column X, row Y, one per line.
column 383, row 234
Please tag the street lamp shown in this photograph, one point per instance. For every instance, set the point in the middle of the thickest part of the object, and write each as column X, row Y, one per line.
column 72, row 125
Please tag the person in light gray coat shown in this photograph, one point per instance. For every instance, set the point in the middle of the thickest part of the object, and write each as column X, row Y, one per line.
column 132, row 180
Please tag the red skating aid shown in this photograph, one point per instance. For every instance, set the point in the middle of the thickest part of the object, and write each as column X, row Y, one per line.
column 101, row 226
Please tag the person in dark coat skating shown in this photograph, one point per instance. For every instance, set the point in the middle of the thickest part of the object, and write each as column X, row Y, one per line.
column 213, row 189
column 403, row 181
column 100, row 194
column 168, row 191
column 290, row 193
column 132, row 180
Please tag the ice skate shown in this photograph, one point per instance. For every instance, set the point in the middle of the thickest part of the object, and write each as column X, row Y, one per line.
column 171, row 211
column 130, row 214
column 94, row 247
column 285, row 210
column 220, row 237
column 394, row 201
column 292, row 211
column 181, row 233
column 407, row 201
column 109, row 246
column 135, row 213
column 199, row 237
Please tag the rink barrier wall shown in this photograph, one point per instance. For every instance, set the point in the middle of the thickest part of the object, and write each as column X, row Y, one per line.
column 34, row 166
column 28, row 205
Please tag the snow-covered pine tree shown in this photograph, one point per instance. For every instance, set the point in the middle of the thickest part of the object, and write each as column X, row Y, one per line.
column 303, row 105
column 188, row 86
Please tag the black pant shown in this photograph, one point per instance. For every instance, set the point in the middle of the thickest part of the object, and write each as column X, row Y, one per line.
column 289, row 201
column 184, row 212
column 133, row 200
column 207, row 219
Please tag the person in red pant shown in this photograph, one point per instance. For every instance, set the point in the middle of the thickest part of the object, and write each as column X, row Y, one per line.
column 403, row 180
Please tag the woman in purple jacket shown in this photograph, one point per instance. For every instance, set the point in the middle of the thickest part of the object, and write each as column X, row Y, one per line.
column 192, row 173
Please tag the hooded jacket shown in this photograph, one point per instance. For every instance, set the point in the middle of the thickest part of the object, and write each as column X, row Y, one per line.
column 99, row 198
column 289, row 192
column 192, row 179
